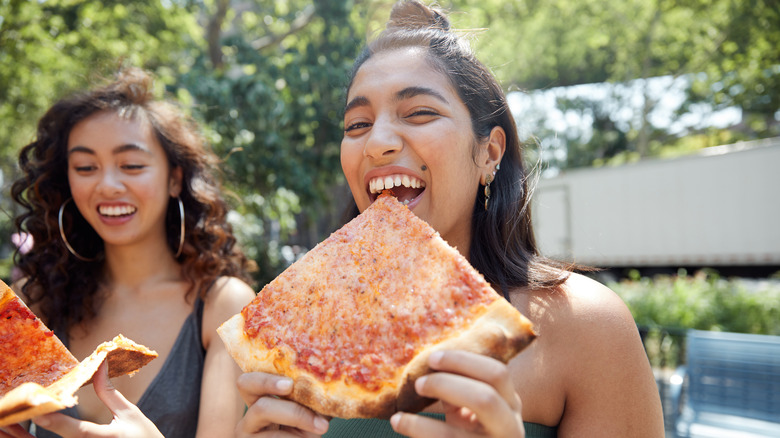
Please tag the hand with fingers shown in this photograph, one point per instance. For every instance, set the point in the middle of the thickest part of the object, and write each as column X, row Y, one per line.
column 270, row 415
column 129, row 421
column 478, row 396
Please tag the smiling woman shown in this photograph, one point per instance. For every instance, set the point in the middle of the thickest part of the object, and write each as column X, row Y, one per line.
column 142, row 249
column 428, row 119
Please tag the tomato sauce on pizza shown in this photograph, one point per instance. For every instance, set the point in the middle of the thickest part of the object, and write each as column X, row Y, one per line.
column 354, row 320
column 29, row 351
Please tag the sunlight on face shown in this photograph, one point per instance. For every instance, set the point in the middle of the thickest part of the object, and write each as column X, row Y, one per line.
column 404, row 122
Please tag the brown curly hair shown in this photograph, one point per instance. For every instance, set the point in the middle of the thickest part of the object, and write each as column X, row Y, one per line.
column 64, row 287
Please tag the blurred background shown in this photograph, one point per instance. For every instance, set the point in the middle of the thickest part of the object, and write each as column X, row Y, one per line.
column 654, row 126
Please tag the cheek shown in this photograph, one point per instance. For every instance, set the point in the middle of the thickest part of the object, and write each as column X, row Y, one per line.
column 80, row 194
column 350, row 166
column 78, row 186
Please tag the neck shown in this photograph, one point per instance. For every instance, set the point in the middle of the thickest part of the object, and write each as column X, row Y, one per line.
column 133, row 266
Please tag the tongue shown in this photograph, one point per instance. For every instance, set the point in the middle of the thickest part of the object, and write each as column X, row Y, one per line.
column 406, row 193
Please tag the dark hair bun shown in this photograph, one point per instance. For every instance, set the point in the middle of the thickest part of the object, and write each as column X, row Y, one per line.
column 415, row 15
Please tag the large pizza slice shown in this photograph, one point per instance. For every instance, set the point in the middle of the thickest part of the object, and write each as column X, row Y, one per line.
column 355, row 319
column 38, row 374
column 29, row 352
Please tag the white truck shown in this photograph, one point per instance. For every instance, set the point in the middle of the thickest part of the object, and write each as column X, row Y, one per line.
column 716, row 208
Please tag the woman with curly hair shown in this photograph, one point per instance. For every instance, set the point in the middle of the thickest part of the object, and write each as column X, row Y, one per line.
column 120, row 197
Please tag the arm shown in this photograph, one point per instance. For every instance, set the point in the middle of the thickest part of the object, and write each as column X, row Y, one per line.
column 609, row 385
column 220, row 404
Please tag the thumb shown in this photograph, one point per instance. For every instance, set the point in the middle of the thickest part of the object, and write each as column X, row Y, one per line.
column 113, row 399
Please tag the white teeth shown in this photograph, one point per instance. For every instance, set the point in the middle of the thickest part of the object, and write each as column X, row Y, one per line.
column 378, row 184
column 121, row 210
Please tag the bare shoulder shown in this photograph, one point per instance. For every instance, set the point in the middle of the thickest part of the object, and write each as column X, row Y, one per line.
column 594, row 307
column 224, row 299
column 591, row 361
column 578, row 310
column 589, row 324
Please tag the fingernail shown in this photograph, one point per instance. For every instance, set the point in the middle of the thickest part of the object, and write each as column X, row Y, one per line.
column 320, row 425
column 284, row 384
column 435, row 357
column 420, row 382
column 395, row 419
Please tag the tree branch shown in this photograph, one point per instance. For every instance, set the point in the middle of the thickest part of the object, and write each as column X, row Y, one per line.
column 214, row 31
column 299, row 23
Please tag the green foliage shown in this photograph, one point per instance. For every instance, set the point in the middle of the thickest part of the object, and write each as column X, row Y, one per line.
column 266, row 79
column 730, row 50
column 668, row 305
column 273, row 106
column 51, row 48
column 703, row 301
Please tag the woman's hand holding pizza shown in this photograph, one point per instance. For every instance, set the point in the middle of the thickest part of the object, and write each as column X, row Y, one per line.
column 269, row 413
column 128, row 420
column 478, row 396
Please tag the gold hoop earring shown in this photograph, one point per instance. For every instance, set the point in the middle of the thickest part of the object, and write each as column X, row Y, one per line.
column 181, row 233
column 488, row 180
column 65, row 239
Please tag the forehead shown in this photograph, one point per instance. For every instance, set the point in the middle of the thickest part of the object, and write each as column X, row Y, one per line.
column 400, row 68
column 109, row 129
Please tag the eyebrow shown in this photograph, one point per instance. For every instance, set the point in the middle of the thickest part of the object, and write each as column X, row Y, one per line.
column 124, row 148
column 356, row 102
column 409, row 92
column 406, row 93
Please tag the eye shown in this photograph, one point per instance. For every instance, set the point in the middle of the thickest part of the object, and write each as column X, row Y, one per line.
column 424, row 112
column 351, row 128
column 422, row 115
column 84, row 169
column 133, row 166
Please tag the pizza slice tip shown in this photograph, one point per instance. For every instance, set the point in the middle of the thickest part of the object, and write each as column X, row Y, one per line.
column 38, row 375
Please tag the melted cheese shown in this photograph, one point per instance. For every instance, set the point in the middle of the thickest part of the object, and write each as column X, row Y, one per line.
column 364, row 302
column 29, row 352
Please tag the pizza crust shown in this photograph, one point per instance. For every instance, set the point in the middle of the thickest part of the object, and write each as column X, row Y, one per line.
column 30, row 400
column 501, row 332
column 385, row 264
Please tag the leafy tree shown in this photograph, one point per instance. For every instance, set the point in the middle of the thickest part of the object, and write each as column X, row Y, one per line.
column 271, row 88
column 725, row 50
column 741, row 66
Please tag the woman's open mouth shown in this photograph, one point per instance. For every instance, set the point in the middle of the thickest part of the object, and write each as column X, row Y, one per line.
column 406, row 188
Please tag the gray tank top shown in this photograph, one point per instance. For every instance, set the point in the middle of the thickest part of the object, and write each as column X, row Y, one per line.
column 172, row 399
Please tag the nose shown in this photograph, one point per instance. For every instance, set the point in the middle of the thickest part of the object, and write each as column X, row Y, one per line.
column 110, row 184
column 383, row 141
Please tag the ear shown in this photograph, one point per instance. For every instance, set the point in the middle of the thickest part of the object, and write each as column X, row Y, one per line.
column 174, row 182
column 493, row 152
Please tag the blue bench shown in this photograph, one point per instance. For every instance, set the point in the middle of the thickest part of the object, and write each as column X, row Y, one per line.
column 730, row 386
